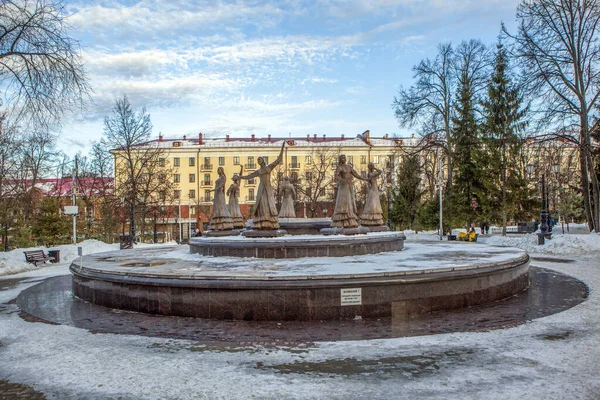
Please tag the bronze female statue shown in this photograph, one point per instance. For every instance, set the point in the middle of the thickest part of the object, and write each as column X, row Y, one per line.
column 344, row 214
column 220, row 220
column 372, row 214
column 288, row 196
column 233, row 192
column 265, row 210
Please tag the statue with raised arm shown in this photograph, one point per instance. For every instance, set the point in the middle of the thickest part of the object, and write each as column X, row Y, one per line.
column 288, row 196
column 220, row 220
column 264, row 216
column 344, row 214
column 372, row 214
column 233, row 192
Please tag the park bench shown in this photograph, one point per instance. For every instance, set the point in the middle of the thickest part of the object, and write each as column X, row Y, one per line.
column 36, row 256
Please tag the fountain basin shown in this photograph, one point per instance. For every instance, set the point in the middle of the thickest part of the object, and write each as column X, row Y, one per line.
column 298, row 246
column 419, row 279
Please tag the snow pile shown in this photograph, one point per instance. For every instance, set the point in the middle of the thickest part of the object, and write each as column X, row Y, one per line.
column 13, row 262
column 568, row 244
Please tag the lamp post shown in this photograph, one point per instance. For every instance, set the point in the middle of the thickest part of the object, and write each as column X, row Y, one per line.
column 389, row 187
column 556, row 170
column 440, row 186
column 545, row 233
column 5, row 236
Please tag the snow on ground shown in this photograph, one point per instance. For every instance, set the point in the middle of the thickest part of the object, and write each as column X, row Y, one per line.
column 13, row 262
column 565, row 244
column 555, row 357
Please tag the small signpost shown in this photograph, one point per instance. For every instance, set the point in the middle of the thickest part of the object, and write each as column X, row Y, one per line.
column 80, row 254
column 351, row 297
column 74, row 211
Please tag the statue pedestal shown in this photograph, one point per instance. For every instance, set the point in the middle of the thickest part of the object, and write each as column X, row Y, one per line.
column 256, row 233
column 381, row 228
column 359, row 230
column 210, row 233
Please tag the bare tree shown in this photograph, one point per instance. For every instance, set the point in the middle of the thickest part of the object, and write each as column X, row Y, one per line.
column 428, row 103
column 40, row 65
column 9, row 167
column 38, row 156
column 558, row 43
column 136, row 158
column 315, row 190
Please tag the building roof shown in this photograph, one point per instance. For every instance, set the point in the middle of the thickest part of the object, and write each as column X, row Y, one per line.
column 60, row 187
column 202, row 141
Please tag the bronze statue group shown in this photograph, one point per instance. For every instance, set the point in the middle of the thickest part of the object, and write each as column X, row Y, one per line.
column 226, row 217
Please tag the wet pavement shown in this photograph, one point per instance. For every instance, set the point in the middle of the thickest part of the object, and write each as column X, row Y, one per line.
column 550, row 292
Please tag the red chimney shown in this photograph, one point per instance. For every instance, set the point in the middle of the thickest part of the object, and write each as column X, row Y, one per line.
column 269, row 139
column 227, row 138
column 324, row 137
column 315, row 137
column 343, row 137
column 160, row 139
column 200, row 138
column 308, row 138
column 253, row 137
column 184, row 138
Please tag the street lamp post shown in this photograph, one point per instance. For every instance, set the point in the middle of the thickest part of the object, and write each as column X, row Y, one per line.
column 389, row 187
column 556, row 170
column 440, row 186
column 545, row 233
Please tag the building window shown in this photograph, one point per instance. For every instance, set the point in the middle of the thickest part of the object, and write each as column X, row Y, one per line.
column 207, row 195
column 250, row 194
column 308, row 160
column 351, row 160
column 321, row 176
column 294, row 177
column 322, row 192
column 192, row 161
column 192, row 178
column 295, row 163
column 177, row 194
column 221, row 161
column 363, row 159
column 192, row 210
column 266, row 159
column 176, row 162
column 250, row 162
column 375, row 159
column 176, row 178
column 363, row 173
column 161, row 162
column 308, row 175
column 252, row 181
column 207, row 179
column 162, row 178
column 192, row 194
column 236, row 160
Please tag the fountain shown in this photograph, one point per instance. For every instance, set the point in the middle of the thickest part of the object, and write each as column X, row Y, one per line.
column 353, row 272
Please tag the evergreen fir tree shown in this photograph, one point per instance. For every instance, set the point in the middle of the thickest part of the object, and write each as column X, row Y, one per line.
column 50, row 225
column 407, row 194
column 505, row 181
column 467, row 186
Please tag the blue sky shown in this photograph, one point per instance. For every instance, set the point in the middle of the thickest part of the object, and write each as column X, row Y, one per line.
column 264, row 67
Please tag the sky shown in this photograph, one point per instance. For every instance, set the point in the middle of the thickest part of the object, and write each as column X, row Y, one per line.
column 264, row 67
